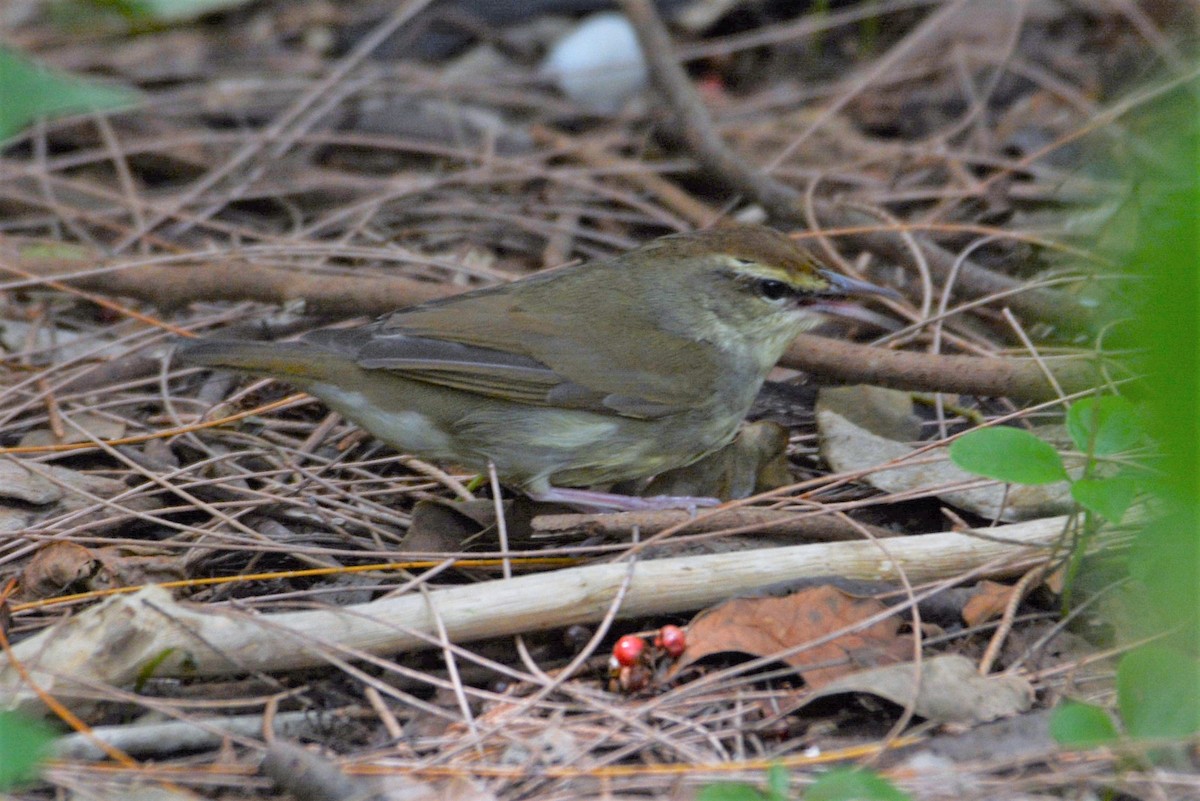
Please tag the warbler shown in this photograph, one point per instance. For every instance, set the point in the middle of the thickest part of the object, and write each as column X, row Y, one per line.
column 594, row 373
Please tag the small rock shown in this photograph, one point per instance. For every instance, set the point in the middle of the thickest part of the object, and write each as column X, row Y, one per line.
column 598, row 65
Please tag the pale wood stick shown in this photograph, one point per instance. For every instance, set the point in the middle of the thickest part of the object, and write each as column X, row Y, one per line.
column 111, row 643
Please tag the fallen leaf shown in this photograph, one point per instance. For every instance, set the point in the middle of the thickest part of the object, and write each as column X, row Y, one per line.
column 308, row 775
column 947, row 689
column 60, row 489
column 988, row 602
column 439, row 525
column 22, row 484
column 1056, row 581
column 55, row 568
column 66, row 566
column 1012, row 740
column 847, row 447
column 135, row 566
column 883, row 412
column 89, row 426
column 767, row 626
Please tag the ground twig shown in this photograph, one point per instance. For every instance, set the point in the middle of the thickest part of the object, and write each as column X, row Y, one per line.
column 214, row 643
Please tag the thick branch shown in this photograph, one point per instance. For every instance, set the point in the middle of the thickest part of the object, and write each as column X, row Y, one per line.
column 346, row 296
column 175, row 285
column 1020, row 379
column 112, row 642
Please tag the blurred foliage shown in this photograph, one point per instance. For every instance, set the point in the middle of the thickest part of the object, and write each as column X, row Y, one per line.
column 1164, row 332
column 838, row 784
column 24, row 743
column 1158, row 321
column 32, row 91
column 167, row 11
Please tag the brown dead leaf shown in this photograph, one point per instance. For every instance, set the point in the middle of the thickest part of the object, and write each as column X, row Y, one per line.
column 767, row 626
column 62, row 566
column 1056, row 581
column 440, row 525
column 54, row 568
column 135, row 566
column 987, row 603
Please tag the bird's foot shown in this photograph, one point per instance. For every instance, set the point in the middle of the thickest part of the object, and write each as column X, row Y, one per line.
column 591, row 500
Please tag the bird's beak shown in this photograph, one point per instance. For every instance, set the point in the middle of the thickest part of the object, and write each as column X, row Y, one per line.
column 844, row 286
column 841, row 287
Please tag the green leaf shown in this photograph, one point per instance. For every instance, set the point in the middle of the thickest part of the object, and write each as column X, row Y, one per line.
column 849, row 784
column 31, row 91
column 167, row 11
column 1008, row 454
column 778, row 780
column 1104, row 425
column 1157, row 693
column 1164, row 562
column 1108, row 497
column 729, row 791
column 23, row 744
column 777, row 789
column 152, row 665
column 1082, row 725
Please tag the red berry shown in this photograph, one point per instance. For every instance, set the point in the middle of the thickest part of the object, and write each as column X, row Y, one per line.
column 628, row 649
column 672, row 640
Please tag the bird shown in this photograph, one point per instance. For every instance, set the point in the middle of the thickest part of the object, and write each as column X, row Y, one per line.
column 592, row 373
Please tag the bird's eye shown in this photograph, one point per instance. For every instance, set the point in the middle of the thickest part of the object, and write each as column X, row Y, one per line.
column 771, row 289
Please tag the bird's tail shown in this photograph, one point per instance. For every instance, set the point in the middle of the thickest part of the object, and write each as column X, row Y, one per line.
column 290, row 360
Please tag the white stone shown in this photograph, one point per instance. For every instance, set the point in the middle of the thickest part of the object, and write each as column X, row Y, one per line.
column 599, row 64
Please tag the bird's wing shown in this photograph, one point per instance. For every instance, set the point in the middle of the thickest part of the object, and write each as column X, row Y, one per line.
column 482, row 371
column 527, row 357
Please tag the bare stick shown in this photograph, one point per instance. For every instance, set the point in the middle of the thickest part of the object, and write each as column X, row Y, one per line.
column 234, row 279
column 340, row 295
column 1000, row 377
column 771, row 522
column 112, row 642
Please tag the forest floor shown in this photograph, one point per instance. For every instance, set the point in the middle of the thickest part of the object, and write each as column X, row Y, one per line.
column 337, row 620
